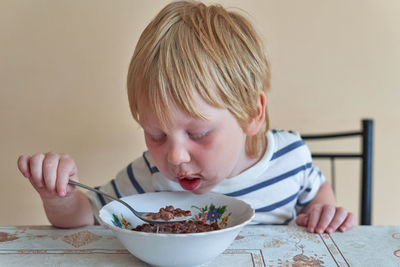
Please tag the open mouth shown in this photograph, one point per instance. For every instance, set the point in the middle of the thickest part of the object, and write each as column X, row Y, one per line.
column 189, row 184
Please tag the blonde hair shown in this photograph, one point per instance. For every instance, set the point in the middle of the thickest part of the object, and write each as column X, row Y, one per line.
column 190, row 46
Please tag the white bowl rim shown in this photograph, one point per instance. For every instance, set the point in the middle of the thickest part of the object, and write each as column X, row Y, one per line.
column 118, row 229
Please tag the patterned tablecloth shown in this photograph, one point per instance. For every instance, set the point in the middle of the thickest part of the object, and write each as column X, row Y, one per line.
column 254, row 246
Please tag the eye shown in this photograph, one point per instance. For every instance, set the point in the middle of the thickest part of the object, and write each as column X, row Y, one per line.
column 197, row 136
column 158, row 138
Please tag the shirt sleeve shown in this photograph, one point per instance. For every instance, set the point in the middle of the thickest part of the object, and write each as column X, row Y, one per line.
column 312, row 181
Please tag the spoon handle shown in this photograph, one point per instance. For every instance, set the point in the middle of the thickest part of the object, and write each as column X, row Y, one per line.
column 104, row 194
column 91, row 189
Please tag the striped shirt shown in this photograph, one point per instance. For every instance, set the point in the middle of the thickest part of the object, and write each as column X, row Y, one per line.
column 277, row 187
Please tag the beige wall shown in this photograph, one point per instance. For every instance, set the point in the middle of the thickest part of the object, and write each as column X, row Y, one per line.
column 62, row 85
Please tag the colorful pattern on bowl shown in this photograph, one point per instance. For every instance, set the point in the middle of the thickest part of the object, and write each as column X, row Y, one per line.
column 121, row 223
column 207, row 214
column 212, row 214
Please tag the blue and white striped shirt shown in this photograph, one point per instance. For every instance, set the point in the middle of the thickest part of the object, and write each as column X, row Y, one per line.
column 277, row 187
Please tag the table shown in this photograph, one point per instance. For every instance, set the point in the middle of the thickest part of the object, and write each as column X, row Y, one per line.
column 254, row 246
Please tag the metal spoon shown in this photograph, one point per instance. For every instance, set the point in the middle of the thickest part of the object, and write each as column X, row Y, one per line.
column 141, row 215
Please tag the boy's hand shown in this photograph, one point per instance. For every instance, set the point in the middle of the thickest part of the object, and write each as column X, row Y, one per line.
column 321, row 218
column 49, row 173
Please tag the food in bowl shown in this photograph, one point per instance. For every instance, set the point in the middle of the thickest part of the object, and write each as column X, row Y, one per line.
column 184, row 249
column 184, row 227
column 168, row 213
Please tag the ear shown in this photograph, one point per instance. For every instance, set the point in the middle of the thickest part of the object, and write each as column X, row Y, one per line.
column 257, row 122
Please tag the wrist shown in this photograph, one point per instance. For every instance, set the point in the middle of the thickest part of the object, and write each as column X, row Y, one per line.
column 57, row 202
column 73, row 210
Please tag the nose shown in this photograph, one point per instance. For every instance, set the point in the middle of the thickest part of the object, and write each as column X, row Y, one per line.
column 178, row 153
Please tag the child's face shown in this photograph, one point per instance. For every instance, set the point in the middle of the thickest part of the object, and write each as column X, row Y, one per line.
column 197, row 153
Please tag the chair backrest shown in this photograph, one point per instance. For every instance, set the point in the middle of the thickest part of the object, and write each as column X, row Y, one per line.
column 366, row 135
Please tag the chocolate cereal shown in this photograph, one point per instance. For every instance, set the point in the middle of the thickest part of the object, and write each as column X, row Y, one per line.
column 185, row 227
column 168, row 213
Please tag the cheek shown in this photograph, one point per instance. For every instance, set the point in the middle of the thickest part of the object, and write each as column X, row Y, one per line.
column 156, row 152
column 230, row 143
column 222, row 153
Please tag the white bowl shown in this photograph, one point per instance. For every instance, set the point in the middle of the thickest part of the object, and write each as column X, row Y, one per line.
column 178, row 249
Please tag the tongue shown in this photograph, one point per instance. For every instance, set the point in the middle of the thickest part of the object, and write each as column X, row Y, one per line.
column 189, row 184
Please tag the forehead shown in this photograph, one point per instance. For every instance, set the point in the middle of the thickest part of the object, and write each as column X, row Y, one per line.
column 173, row 114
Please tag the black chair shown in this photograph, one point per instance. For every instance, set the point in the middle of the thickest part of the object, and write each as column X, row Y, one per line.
column 366, row 135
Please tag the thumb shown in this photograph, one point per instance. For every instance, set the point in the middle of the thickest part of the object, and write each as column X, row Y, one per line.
column 72, row 188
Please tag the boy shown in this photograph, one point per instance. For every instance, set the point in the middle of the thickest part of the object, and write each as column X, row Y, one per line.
column 197, row 85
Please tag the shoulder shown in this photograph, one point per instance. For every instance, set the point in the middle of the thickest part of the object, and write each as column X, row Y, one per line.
column 143, row 163
column 285, row 135
column 138, row 173
column 288, row 142
column 282, row 138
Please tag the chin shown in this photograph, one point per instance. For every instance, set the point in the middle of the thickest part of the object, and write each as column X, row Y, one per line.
column 200, row 191
column 197, row 192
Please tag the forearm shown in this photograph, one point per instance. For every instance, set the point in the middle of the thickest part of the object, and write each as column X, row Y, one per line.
column 72, row 211
column 325, row 196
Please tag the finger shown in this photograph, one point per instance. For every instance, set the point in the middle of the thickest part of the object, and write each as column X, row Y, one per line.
column 302, row 219
column 23, row 165
column 327, row 214
column 50, row 165
column 348, row 223
column 66, row 170
column 337, row 220
column 314, row 215
column 35, row 165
